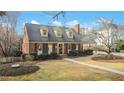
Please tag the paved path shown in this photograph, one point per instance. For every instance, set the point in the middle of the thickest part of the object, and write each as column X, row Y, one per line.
column 118, row 54
column 96, row 66
column 114, row 53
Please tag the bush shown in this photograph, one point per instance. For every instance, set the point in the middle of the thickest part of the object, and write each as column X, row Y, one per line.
column 54, row 55
column 9, row 71
column 73, row 53
column 80, row 53
column 29, row 57
column 43, row 56
column 88, row 52
column 17, row 53
column 34, row 55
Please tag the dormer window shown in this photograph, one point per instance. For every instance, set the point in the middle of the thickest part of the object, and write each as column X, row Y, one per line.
column 58, row 32
column 69, row 33
column 44, row 31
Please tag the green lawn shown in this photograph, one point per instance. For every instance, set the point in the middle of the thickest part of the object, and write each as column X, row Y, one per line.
column 63, row 70
column 119, row 65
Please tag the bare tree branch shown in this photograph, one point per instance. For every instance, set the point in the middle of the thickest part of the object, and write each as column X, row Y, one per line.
column 8, row 35
column 108, row 35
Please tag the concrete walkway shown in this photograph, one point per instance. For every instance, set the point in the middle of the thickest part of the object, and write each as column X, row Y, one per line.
column 118, row 54
column 96, row 66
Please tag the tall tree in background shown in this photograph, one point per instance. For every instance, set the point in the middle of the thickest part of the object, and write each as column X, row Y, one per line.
column 2, row 13
column 8, row 35
column 108, row 35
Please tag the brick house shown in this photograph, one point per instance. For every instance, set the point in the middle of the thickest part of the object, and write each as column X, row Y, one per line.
column 46, row 39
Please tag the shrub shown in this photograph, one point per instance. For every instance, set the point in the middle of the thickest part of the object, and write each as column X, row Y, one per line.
column 17, row 53
column 88, row 52
column 34, row 55
column 43, row 56
column 73, row 53
column 29, row 57
column 80, row 53
column 54, row 55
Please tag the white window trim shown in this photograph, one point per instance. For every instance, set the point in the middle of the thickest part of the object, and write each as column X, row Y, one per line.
column 68, row 34
column 56, row 33
column 41, row 32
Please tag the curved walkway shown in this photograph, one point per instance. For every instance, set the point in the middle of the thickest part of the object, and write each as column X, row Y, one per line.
column 96, row 66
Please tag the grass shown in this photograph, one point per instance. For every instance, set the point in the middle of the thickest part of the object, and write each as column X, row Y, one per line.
column 63, row 70
column 115, row 63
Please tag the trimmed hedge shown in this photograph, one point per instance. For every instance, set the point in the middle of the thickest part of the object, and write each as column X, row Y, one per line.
column 54, row 55
column 73, row 53
column 43, row 56
column 29, row 57
column 80, row 53
column 34, row 56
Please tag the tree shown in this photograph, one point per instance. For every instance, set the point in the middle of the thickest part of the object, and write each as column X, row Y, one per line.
column 2, row 13
column 119, row 45
column 108, row 35
column 8, row 35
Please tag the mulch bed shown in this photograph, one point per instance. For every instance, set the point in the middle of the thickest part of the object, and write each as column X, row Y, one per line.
column 9, row 71
column 25, row 68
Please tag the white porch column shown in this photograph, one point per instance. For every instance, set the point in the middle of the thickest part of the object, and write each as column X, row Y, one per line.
column 50, row 48
column 40, row 49
column 69, row 47
column 76, row 46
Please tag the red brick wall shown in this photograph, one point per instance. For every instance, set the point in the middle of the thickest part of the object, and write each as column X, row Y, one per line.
column 25, row 42
column 32, row 47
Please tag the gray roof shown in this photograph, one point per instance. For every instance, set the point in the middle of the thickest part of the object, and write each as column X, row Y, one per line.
column 33, row 31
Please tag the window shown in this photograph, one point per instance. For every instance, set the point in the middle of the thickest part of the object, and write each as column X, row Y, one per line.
column 58, row 32
column 44, row 31
column 40, row 47
column 70, row 33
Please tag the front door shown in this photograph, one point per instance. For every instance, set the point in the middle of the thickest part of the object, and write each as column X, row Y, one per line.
column 60, row 48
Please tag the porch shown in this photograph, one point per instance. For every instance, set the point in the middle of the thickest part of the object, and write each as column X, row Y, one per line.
column 60, row 48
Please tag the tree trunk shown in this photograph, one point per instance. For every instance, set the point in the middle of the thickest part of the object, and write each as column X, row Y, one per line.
column 109, row 53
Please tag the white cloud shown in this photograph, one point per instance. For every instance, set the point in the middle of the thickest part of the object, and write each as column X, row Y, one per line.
column 90, row 25
column 72, row 23
column 56, row 23
column 34, row 22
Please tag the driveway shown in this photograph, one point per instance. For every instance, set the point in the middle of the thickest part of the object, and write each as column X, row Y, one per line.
column 114, row 53
column 96, row 66
column 118, row 54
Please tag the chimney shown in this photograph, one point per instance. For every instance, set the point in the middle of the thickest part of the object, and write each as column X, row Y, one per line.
column 77, row 27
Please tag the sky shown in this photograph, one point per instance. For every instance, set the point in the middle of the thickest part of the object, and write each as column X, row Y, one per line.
column 88, row 19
